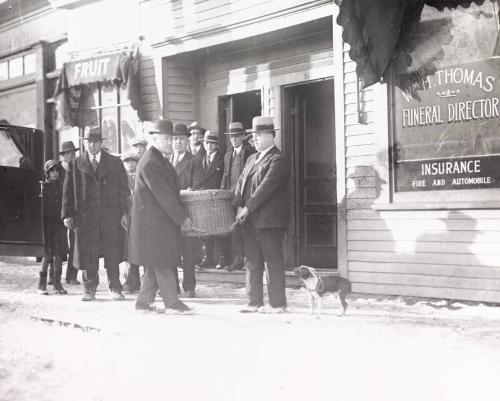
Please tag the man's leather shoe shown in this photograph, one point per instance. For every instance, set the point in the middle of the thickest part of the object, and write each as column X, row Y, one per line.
column 221, row 264
column 141, row 306
column 116, row 295
column 250, row 309
column 73, row 281
column 178, row 307
column 89, row 296
column 238, row 263
column 190, row 294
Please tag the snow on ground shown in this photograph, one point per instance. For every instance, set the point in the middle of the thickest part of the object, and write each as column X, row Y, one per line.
column 385, row 348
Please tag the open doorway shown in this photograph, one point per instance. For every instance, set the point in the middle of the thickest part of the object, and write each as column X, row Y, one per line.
column 308, row 118
column 241, row 107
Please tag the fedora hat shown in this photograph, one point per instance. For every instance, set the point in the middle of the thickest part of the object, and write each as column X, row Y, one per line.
column 68, row 146
column 164, row 127
column 235, row 128
column 49, row 165
column 138, row 141
column 211, row 136
column 129, row 155
column 94, row 133
column 262, row 124
column 196, row 125
column 181, row 129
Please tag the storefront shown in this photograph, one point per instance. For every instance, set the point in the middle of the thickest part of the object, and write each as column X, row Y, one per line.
column 103, row 91
column 422, row 196
column 287, row 73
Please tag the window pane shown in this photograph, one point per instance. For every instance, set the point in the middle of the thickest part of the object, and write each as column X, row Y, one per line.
column 16, row 67
column 109, row 95
column 110, row 129
column 29, row 63
column 447, row 102
column 130, row 126
column 4, row 71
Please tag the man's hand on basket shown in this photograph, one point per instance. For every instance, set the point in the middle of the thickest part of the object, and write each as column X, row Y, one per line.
column 242, row 214
column 187, row 225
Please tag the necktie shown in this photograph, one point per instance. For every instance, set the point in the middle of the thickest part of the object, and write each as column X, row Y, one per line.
column 208, row 161
column 176, row 159
column 94, row 163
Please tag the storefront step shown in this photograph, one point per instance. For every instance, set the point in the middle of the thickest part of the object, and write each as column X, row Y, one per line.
column 238, row 276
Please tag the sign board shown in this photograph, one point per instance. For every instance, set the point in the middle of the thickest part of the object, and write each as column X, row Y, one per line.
column 447, row 128
column 96, row 69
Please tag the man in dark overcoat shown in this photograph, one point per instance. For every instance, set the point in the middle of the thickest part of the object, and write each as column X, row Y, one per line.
column 234, row 160
column 156, row 219
column 261, row 201
column 212, row 169
column 94, row 206
column 189, row 172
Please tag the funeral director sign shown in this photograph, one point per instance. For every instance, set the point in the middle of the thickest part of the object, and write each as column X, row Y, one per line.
column 447, row 129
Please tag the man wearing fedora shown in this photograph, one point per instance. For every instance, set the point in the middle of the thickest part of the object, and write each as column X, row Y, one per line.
column 234, row 160
column 67, row 154
column 156, row 220
column 189, row 170
column 261, row 202
column 211, row 177
column 196, row 132
column 94, row 206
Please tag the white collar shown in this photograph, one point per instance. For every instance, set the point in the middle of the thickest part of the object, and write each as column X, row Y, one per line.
column 97, row 157
column 238, row 149
column 179, row 156
column 264, row 152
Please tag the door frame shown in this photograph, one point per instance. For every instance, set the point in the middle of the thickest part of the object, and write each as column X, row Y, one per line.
column 290, row 148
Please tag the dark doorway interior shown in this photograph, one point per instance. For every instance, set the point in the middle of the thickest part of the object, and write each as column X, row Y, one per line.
column 309, row 124
column 242, row 107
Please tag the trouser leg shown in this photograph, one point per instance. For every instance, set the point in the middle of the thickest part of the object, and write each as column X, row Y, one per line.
column 149, row 287
column 42, row 280
column 271, row 243
column 113, row 273
column 165, row 278
column 188, row 262
column 133, row 277
column 254, row 265
column 90, row 279
column 71, row 271
column 57, row 275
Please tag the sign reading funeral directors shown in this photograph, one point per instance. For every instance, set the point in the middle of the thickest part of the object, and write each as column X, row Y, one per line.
column 447, row 129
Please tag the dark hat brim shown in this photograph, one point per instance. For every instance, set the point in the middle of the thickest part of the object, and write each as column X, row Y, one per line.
column 69, row 150
column 241, row 132
column 86, row 138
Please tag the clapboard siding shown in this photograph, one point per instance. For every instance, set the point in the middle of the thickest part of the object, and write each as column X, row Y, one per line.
column 162, row 19
column 451, row 254
column 150, row 97
column 266, row 68
column 179, row 90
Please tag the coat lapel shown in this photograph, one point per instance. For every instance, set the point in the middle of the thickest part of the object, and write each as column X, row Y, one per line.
column 104, row 164
column 216, row 162
column 84, row 165
column 183, row 164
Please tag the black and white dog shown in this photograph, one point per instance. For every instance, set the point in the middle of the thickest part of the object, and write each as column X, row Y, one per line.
column 319, row 286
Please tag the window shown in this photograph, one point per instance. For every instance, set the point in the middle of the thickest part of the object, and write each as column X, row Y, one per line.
column 17, row 66
column 108, row 106
column 446, row 102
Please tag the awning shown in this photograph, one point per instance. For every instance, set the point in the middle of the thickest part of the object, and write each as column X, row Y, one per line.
column 374, row 28
column 118, row 68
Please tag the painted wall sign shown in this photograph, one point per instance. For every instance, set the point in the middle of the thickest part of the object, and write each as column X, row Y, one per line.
column 447, row 128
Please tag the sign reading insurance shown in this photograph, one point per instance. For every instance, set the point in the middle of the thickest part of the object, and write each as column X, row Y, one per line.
column 96, row 69
column 447, row 128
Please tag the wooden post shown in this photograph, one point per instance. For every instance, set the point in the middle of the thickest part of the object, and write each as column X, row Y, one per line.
column 42, row 111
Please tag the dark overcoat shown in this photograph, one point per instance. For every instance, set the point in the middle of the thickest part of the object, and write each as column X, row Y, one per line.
column 189, row 170
column 262, row 188
column 211, row 175
column 156, row 214
column 96, row 202
column 228, row 164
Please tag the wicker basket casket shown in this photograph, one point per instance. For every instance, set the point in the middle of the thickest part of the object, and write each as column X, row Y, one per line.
column 210, row 210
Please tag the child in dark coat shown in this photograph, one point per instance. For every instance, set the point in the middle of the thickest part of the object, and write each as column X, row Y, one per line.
column 54, row 231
